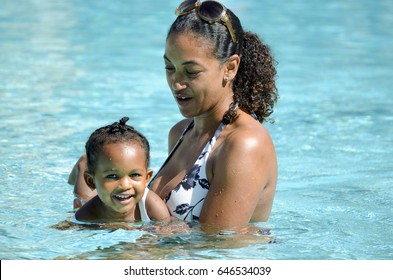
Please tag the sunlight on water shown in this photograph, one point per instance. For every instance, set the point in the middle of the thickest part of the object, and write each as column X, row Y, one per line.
column 69, row 67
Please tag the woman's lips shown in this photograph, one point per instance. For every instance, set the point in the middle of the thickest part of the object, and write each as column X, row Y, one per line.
column 182, row 100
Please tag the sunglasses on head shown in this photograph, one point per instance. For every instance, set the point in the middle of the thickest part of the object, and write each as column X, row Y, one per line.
column 210, row 11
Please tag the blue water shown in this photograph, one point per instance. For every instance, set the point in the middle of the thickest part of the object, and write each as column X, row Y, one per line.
column 68, row 67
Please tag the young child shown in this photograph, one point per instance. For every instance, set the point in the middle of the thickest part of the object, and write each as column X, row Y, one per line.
column 117, row 169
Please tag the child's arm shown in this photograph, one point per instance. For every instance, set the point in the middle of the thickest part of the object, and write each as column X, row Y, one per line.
column 156, row 208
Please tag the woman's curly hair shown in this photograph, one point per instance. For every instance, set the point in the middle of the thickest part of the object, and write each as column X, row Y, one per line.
column 254, row 86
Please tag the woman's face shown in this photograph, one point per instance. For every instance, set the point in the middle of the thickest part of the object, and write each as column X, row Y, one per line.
column 194, row 75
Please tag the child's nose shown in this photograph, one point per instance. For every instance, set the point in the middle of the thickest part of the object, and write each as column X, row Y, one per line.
column 125, row 182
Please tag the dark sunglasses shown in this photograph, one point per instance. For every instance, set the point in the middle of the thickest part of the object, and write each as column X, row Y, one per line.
column 210, row 11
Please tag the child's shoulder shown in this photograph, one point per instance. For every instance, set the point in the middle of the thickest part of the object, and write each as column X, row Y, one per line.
column 88, row 212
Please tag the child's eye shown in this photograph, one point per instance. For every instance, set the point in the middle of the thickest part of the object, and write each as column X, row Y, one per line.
column 111, row 176
column 136, row 176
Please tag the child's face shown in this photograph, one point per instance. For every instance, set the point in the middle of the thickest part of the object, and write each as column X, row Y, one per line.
column 121, row 176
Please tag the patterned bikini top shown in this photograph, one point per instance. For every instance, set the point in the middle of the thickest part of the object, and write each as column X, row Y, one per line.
column 185, row 201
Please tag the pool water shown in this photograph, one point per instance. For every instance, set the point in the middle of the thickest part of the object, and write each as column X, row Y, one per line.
column 68, row 67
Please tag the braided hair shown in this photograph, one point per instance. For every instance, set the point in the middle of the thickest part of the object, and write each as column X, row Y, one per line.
column 254, row 86
column 118, row 132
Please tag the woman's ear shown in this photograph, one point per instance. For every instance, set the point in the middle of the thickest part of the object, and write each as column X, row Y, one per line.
column 89, row 180
column 232, row 65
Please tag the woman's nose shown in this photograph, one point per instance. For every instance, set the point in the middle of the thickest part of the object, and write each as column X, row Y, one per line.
column 177, row 82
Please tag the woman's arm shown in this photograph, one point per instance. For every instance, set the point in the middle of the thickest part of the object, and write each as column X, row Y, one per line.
column 244, row 174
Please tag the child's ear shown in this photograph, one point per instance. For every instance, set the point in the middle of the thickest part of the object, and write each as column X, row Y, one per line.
column 149, row 174
column 89, row 180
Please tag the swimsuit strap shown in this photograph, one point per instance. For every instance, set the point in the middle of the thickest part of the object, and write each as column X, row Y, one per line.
column 190, row 125
column 218, row 132
column 142, row 207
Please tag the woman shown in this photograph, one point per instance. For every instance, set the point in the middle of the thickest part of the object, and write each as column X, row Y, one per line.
column 222, row 168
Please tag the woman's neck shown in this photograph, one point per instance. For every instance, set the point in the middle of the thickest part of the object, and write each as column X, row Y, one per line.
column 209, row 121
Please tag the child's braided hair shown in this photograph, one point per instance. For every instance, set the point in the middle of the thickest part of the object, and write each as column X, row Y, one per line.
column 117, row 132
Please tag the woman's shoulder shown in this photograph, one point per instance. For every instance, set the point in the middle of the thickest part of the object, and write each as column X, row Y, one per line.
column 246, row 128
column 247, row 149
column 176, row 131
column 179, row 127
column 247, row 136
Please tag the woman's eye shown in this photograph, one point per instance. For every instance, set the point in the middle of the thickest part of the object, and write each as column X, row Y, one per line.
column 169, row 68
column 192, row 73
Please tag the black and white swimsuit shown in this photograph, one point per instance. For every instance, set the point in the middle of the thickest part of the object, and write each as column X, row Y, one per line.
column 185, row 201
